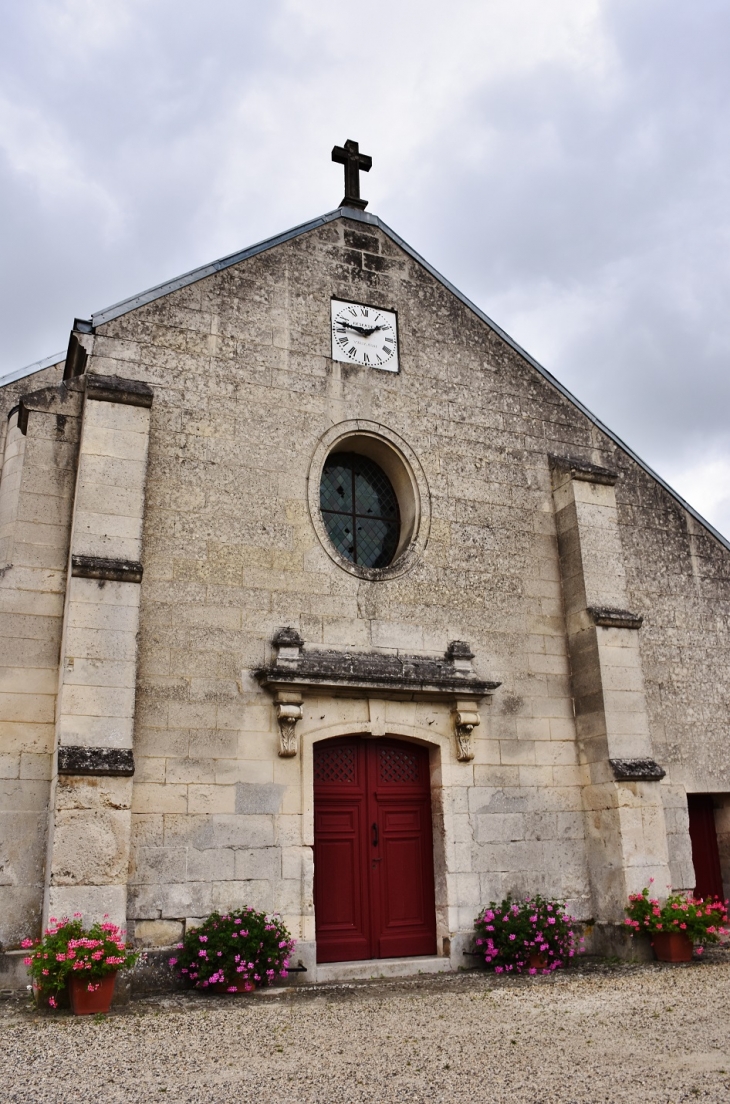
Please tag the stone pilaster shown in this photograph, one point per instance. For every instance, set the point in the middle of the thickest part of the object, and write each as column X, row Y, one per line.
column 90, row 820
column 36, row 500
column 625, row 828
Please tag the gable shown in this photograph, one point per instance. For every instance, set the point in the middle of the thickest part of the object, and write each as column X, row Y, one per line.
column 101, row 319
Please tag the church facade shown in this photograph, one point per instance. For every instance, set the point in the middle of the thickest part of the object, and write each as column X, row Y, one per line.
column 320, row 595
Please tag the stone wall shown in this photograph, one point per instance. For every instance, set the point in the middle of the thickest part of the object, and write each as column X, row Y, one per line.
column 244, row 391
column 35, row 500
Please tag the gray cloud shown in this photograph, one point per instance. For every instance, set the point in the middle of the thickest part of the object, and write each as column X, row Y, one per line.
column 566, row 165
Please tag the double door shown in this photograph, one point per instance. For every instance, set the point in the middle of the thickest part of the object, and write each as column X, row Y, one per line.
column 373, row 850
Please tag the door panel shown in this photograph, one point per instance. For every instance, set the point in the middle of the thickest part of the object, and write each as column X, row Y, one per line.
column 705, row 851
column 341, row 903
column 373, row 874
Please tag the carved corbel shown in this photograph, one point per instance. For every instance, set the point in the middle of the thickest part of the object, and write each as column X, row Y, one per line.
column 287, row 714
column 464, row 724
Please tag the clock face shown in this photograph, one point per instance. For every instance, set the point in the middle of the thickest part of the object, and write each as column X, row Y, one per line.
column 364, row 335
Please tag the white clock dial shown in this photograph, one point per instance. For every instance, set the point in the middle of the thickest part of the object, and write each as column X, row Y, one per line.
column 364, row 335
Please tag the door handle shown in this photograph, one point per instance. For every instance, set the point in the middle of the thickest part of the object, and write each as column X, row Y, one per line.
column 375, row 835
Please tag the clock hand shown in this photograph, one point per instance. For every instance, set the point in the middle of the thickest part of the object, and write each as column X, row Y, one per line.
column 362, row 329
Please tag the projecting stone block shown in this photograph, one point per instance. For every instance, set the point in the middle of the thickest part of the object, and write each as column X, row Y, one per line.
column 95, row 760
column 637, row 770
column 116, row 389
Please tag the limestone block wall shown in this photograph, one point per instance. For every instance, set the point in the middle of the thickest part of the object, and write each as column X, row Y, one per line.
column 36, row 495
column 625, row 823
column 88, row 851
column 678, row 577
column 10, row 393
column 245, row 390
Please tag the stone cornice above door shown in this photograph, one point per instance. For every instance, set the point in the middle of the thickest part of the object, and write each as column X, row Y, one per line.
column 398, row 676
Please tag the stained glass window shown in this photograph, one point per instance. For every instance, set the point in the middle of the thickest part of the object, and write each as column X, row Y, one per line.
column 359, row 509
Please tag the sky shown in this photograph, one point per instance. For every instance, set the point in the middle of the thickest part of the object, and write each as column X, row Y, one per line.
column 566, row 165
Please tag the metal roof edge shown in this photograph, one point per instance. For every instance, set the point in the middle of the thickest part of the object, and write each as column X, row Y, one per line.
column 195, row 274
column 356, row 215
column 30, row 369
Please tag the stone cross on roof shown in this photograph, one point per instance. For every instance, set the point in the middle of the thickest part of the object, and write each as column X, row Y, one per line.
column 349, row 155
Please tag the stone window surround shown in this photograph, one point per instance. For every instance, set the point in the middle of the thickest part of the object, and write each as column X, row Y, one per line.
column 399, row 462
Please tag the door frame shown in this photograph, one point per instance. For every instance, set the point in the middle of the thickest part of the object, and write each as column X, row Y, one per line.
column 441, row 763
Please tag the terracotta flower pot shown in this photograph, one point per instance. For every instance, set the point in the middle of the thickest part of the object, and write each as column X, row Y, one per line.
column 538, row 961
column 222, row 987
column 672, row 946
column 85, row 1003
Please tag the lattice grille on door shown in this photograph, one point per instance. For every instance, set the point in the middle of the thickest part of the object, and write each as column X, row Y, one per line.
column 334, row 764
column 398, row 765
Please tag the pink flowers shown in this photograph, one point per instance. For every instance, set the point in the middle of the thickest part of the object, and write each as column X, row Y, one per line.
column 224, row 953
column 697, row 919
column 68, row 950
column 512, row 934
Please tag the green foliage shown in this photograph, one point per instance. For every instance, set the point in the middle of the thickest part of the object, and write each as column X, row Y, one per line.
column 701, row 921
column 242, row 949
column 67, row 949
column 515, row 935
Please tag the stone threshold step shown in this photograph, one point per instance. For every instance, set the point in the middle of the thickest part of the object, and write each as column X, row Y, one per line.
column 382, row 968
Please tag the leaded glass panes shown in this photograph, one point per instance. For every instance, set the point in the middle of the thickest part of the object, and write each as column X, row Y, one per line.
column 359, row 509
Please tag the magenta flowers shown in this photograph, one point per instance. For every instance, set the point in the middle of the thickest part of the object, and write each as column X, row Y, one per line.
column 534, row 936
column 233, row 957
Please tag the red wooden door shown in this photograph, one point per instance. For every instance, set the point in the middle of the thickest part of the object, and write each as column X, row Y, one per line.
column 373, row 850
column 705, row 852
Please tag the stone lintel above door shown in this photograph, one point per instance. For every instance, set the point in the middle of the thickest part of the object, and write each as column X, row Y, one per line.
column 399, row 676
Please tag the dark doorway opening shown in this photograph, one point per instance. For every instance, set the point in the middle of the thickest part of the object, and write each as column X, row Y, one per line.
column 373, row 850
column 705, row 851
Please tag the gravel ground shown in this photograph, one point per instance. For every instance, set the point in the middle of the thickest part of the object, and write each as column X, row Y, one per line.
column 594, row 1033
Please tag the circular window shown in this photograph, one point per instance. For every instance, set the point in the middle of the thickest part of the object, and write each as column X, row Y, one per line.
column 368, row 500
column 359, row 509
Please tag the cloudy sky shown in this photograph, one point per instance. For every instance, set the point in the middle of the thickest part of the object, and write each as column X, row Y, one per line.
column 566, row 164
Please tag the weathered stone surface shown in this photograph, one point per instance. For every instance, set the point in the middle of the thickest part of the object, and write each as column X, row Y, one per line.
column 637, row 770
column 373, row 671
column 91, row 760
column 115, row 389
column 100, row 567
column 547, row 546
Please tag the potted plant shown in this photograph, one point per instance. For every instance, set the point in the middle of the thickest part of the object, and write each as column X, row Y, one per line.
column 83, row 962
column 235, row 952
column 677, row 924
column 535, row 935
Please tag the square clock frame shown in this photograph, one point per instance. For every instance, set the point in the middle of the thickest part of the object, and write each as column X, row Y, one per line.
column 364, row 335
